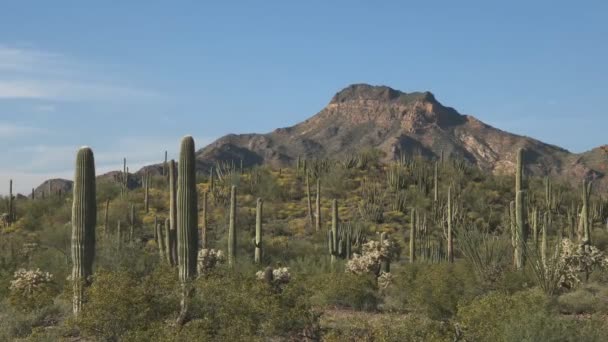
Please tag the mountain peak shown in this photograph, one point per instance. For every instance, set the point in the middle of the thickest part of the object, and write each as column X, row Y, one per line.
column 362, row 92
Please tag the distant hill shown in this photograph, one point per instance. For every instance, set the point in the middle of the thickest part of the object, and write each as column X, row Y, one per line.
column 363, row 116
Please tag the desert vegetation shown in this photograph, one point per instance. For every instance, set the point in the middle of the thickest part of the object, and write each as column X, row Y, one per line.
column 347, row 249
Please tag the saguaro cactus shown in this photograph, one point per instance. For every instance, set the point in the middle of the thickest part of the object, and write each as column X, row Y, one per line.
column 173, row 210
column 450, row 237
column 309, row 199
column 318, row 206
column 147, row 192
column 258, row 231
column 187, row 221
column 333, row 234
column 84, row 220
column 232, row 229
column 520, row 221
column 585, row 213
column 169, row 242
column 11, row 215
column 204, row 223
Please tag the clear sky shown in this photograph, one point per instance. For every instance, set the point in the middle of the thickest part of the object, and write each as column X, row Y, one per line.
column 131, row 79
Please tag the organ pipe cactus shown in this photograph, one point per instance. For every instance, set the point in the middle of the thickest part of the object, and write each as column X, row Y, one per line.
column 232, row 229
column 187, row 222
column 84, row 220
column 258, row 231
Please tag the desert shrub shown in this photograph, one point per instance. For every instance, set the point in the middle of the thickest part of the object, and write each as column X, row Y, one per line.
column 589, row 298
column 17, row 324
column 430, row 290
column 344, row 290
column 398, row 328
column 116, row 302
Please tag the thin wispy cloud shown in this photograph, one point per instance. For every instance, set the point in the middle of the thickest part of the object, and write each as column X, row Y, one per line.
column 10, row 130
column 40, row 75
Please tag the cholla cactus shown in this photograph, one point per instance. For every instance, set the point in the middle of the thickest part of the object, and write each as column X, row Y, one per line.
column 385, row 280
column 28, row 281
column 579, row 258
column 280, row 277
column 208, row 259
column 31, row 289
column 373, row 254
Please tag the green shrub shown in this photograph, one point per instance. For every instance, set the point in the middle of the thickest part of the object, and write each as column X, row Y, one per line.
column 590, row 298
column 344, row 290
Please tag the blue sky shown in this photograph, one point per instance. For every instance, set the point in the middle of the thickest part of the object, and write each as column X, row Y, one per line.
column 131, row 79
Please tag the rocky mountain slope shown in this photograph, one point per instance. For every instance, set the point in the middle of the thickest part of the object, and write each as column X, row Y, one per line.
column 363, row 116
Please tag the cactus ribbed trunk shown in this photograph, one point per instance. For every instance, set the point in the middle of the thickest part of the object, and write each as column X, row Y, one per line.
column 258, row 231
column 169, row 243
column 232, row 229
column 585, row 213
column 173, row 211
column 520, row 221
column 450, row 237
column 318, row 207
column 187, row 222
column 309, row 200
column 413, row 236
column 84, row 220
column 334, row 230
column 11, row 215
column 543, row 244
column 204, row 223
column 160, row 240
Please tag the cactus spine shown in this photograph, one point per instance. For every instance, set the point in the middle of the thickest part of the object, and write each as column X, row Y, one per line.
column 318, row 206
column 187, row 222
column 258, row 231
column 231, row 228
column 84, row 220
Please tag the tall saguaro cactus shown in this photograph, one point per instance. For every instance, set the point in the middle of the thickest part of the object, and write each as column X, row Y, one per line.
column 520, row 221
column 84, row 220
column 318, row 206
column 232, row 229
column 309, row 199
column 173, row 211
column 585, row 213
column 187, row 221
column 333, row 234
column 450, row 236
column 11, row 215
column 258, row 231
